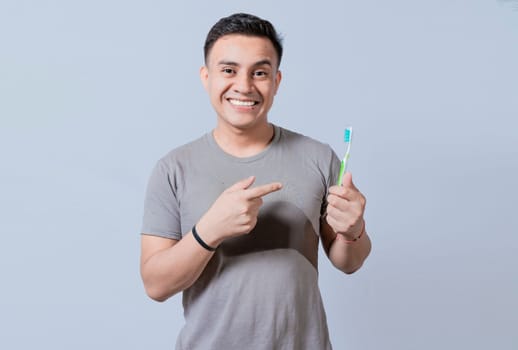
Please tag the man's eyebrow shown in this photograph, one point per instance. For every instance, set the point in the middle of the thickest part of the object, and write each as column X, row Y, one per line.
column 227, row 63
column 235, row 64
column 263, row 62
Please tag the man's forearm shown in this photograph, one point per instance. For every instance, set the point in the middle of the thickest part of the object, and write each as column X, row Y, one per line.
column 175, row 268
column 349, row 256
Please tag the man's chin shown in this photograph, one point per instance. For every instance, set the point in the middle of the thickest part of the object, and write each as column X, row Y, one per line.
column 244, row 124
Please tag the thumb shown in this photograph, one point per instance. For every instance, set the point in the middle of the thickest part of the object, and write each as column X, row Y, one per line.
column 347, row 181
column 242, row 184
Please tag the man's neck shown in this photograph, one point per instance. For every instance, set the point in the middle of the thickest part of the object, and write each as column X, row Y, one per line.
column 243, row 143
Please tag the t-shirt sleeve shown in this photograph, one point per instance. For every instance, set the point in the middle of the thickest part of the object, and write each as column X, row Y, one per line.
column 332, row 168
column 161, row 209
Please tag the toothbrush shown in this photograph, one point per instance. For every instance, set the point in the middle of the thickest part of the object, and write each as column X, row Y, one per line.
column 343, row 166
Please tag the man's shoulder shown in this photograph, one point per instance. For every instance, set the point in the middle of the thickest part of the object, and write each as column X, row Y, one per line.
column 303, row 142
column 186, row 151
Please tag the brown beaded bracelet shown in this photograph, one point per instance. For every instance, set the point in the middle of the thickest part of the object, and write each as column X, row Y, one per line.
column 357, row 238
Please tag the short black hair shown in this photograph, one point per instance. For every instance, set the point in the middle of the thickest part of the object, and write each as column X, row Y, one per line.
column 245, row 24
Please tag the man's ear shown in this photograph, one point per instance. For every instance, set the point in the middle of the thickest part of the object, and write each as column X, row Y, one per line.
column 204, row 76
column 278, row 78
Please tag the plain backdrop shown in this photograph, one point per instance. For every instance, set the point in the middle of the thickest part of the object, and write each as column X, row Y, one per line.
column 93, row 93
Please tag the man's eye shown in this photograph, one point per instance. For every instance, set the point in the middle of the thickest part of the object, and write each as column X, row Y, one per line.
column 227, row 70
column 260, row 73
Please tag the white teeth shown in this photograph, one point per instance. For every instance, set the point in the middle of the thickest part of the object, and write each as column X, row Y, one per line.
column 241, row 103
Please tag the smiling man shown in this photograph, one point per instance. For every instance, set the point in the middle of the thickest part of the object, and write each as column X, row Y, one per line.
column 233, row 219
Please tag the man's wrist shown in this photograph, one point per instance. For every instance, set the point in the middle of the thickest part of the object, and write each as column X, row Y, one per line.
column 352, row 238
column 208, row 233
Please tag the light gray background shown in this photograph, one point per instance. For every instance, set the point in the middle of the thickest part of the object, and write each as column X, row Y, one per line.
column 92, row 93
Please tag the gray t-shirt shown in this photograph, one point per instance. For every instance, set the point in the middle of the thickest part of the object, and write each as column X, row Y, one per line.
column 260, row 290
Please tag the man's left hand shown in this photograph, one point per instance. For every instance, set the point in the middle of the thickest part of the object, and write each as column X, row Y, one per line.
column 346, row 205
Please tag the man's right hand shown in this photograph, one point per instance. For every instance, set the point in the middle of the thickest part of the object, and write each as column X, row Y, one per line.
column 235, row 211
column 169, row 266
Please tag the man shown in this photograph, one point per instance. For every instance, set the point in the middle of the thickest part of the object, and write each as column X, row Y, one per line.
column 233, row 219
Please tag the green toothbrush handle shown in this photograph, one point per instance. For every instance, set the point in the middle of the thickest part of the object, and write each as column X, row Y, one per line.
column 343, row 167
column 341, row 173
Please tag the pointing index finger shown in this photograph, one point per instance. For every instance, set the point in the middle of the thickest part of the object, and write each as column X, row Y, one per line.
column 263, row 190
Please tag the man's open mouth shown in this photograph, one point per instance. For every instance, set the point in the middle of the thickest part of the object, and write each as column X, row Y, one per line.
column 242, row 103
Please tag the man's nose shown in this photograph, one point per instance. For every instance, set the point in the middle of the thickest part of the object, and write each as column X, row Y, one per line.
column 243, row 84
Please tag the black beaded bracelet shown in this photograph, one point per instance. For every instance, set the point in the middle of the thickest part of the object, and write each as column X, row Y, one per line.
column 198, row 238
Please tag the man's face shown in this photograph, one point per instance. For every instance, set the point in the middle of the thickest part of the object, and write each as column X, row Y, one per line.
column 241, row 78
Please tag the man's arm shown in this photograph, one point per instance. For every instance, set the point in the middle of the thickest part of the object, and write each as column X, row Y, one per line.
column 169, row 266
column 345, row 255
column 343, row 231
